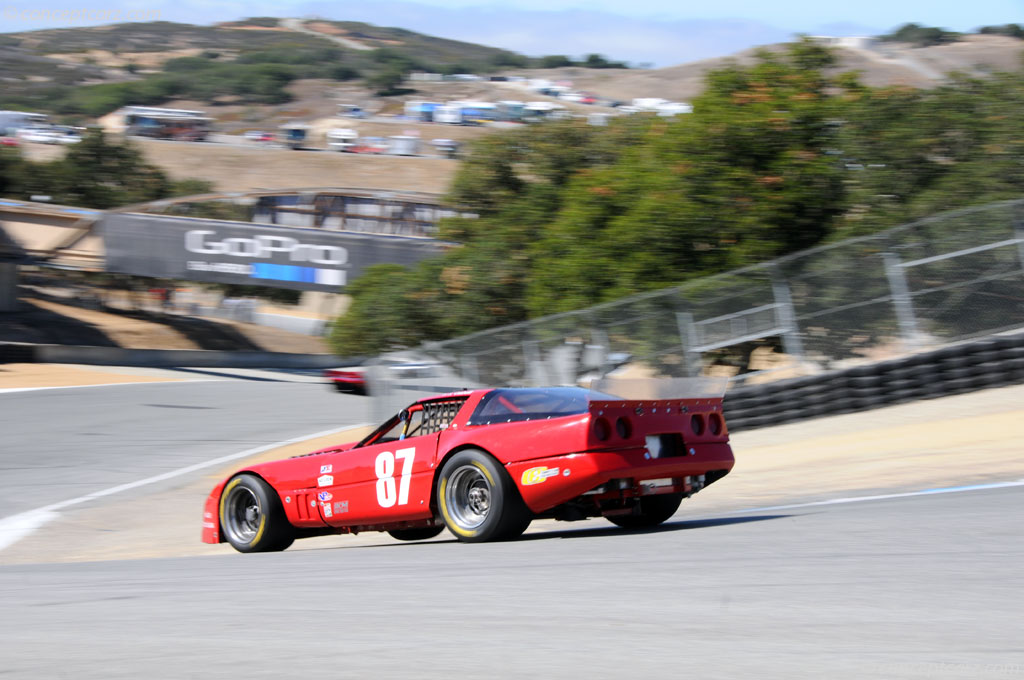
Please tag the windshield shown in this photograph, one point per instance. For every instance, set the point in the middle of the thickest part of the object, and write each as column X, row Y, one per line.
column 516, row 404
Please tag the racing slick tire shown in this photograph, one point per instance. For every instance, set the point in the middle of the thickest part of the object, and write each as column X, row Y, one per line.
column 478, row 500
column 653, row 511
column 252, row 518
column 417, row 534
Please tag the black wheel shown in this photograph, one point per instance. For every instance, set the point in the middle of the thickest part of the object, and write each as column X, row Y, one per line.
column 478, row 500
column 653, row 511
column 252, row 518
column 346, row 388
column 417, row 534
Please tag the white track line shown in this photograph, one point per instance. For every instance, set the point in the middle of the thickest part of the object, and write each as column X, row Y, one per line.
column 16, row 527
column 882, row 497
column 6, row 390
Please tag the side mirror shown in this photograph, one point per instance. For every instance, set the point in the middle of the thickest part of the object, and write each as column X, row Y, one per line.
column 403, row 415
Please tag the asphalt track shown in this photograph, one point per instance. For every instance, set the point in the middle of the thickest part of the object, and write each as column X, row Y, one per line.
column 915, row 587
column 922, row 587
column 63, row 443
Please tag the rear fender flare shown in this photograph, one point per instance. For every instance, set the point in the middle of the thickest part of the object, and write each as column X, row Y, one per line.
column 434, row 507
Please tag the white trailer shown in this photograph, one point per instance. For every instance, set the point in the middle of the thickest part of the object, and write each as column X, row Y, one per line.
column 12, row 121
column 341, row 139
column 674, row 109
column 449, row 113
column 404, row 145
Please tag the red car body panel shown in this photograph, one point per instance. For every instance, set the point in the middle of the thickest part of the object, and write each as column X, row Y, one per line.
column 345, row 377
column 617, row 449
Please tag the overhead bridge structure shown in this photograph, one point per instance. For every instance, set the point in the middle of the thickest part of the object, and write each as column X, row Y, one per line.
column 311, row 239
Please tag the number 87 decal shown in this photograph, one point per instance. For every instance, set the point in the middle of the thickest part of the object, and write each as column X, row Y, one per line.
column 385, row 468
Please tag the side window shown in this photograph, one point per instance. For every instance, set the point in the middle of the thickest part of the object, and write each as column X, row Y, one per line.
column 430, row 418
column 439, row 415
column 392, row 434
column 415, row 428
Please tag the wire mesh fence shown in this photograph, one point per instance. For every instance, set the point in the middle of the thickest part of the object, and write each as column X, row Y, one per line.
column 940, row 280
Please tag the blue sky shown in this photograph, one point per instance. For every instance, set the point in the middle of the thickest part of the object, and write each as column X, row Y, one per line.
column 797, row 15
column 660, row 32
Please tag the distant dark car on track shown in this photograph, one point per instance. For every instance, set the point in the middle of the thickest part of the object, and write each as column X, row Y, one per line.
column 484, row 464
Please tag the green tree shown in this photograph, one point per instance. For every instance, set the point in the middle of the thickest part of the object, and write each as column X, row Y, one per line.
column 510, row 60
column 777, row 156
column 748, row 176
column 921, row 36
column 95, row 173
column 387, row 82
column 555, row 61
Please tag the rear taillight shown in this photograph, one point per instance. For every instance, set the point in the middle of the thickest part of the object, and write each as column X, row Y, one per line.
column 602, row 430
column 715, row 424
column 697, row 424
column 624, row 428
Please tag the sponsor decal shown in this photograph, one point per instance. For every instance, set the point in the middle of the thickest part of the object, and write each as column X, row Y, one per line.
column 340, row 507
column 263, row 247
column 324, row 496
column 209, row 525
column 324, row 480
column 538, row 475
column 327, row 509
column 326, row 469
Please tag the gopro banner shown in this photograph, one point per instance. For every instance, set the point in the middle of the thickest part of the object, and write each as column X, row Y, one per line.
column 232, row 252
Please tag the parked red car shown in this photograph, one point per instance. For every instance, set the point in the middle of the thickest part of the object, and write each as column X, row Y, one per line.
column 483, row 463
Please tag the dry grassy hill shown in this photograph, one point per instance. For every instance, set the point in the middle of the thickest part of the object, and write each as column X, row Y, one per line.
column 884, row 64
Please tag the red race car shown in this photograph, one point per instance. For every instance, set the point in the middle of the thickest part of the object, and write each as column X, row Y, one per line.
column 484, row 463
column 353, row 380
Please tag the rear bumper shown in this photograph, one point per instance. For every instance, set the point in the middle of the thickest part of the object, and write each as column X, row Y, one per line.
column 547, row 482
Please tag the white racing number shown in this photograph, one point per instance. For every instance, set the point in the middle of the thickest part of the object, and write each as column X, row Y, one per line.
column 385, row 468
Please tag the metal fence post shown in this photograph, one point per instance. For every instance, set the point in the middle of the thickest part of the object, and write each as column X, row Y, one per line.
column 469, row 368
column 535, row 372
column 786, row 316
column 901, row 299
column 688, row 339
column 1018, row 230
column 599, row 338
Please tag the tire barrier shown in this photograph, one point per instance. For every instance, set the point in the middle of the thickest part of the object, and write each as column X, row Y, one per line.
column 16, row 353
column 982, row 364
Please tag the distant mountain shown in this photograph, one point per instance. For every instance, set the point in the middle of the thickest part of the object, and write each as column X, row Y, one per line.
column 248, row 61
column 130, row 62
column 83, row 73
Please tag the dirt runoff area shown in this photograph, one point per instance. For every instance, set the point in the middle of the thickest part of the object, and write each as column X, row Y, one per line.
column 966, row 439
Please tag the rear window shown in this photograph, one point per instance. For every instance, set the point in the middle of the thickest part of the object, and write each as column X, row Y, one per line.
column 516, row 404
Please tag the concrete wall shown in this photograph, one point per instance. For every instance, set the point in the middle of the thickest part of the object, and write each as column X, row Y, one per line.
column 166, row 358
column 8, row 287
